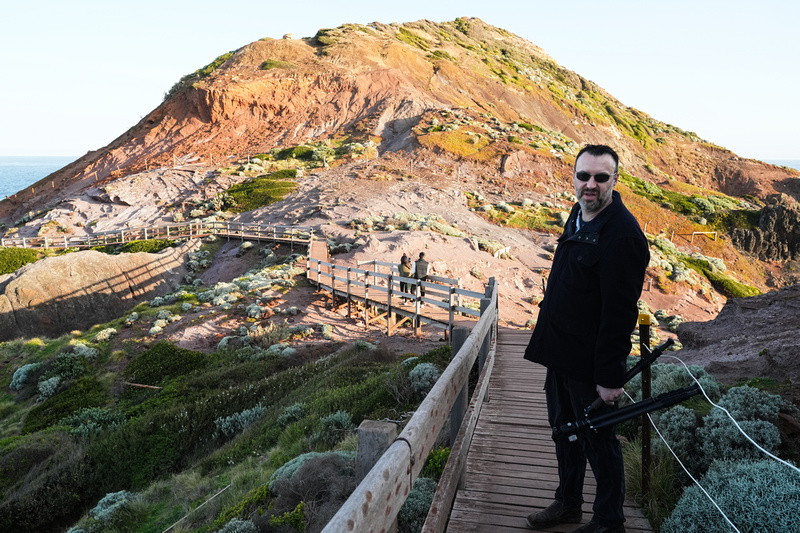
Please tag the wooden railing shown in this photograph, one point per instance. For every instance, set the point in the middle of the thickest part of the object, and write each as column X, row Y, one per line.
column 375, row 503
column 194, row 229
column 375, row 287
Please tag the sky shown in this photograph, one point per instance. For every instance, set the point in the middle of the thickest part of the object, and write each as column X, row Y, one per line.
column 77, row 74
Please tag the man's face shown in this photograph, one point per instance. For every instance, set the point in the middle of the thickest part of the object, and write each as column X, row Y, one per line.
column 594, row 196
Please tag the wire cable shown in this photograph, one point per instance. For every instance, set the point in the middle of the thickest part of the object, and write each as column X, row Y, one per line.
column 790, row 465
column 710, row 498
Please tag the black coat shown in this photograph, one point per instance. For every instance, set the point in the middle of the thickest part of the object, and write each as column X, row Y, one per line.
column 589, row 308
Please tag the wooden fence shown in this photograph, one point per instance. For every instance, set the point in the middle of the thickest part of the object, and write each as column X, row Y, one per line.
column 191, row 230
column 387, row 296
column 375, row 503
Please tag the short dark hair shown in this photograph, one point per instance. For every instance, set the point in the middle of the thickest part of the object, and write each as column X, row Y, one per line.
column 421, row 255
column 597, row 150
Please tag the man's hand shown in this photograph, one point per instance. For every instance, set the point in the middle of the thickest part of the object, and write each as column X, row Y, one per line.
column 609, row 396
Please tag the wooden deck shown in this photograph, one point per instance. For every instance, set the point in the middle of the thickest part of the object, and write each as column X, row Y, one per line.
column 511, row 465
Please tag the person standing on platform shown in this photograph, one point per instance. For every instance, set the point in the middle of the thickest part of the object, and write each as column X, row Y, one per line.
column 421, row 270
column 582, row 336
column 405, row 269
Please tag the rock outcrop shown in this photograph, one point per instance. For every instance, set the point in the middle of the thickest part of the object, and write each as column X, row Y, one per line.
column 75, row 291
column 751, row 337
column 777, row 237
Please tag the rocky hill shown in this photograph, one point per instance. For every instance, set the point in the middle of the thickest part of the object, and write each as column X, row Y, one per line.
column 456, row 139
column 449, row 120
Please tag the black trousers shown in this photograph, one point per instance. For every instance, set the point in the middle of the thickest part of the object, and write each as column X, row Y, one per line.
column 566, row 399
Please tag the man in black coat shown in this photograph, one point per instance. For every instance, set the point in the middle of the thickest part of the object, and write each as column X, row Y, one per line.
column 582, row 336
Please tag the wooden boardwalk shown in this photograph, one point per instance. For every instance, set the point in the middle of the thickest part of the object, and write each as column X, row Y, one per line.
column 511, row 467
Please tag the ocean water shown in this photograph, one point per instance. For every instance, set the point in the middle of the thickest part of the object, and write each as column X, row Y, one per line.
column 17, row 173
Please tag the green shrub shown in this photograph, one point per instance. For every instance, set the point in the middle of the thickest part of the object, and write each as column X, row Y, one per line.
column 274, row 63
column 334, row 428
column 290, row 414
column 151, row 246
column 86, row 392
column 162, row 362
column 435, row 463
column 756, row 496
column 262, row 191
column 295, row 518
column 141, row 451
column 12, row 259
column 46, row 482
column 255, row 500
column 730, row 288
column 68, row 365
column 323, row 37
column 733, row 219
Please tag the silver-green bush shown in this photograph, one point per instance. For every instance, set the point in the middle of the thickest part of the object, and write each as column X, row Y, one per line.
column 230, row 425
column 21, row 375
column 106, row 507
column 48, row 387
column 239, row 526
column 414, row 511
column 756, row 496
column 423, row 377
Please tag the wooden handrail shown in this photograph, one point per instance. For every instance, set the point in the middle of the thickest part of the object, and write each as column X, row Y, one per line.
column 375, row 503
column 194, row 229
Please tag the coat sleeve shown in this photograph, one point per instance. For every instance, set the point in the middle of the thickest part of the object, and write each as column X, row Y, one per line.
column 621, row 279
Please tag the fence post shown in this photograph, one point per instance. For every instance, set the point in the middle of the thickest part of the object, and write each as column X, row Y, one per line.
column 333, row 283
column 417, row 321
column 484, row 351
column 389, row 306
column 459, row 408
column 349, row 299
column 374, row 438
column 451, row 319
column 366, row 299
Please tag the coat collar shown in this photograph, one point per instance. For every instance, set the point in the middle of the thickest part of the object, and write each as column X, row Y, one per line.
column 590, row 231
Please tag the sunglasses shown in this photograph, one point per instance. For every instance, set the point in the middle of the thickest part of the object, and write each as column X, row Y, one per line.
column 599, row 178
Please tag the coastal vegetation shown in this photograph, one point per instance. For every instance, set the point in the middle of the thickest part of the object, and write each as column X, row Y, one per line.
column 151, row 430
column 12, row 259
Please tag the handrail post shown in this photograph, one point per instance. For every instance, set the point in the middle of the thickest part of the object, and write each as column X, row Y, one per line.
column 417, row 321
column 484, row 350
column 366, row 299
column 333, row 283
column 451, row 319
column 644, row 347
column 349, row 298
column 389, row 306
column 460, row 335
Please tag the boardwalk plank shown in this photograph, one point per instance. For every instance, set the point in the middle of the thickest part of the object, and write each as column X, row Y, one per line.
column 511, row 469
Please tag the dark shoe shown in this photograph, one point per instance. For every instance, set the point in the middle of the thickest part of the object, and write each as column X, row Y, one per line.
column 594, row 527
column 556, row 513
